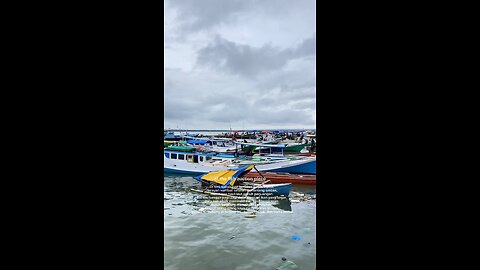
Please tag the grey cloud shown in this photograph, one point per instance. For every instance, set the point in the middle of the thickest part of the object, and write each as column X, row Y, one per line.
column 310, row 104
column 307, row 47
column 250, row 61
column 197, row 15
column 226, row 64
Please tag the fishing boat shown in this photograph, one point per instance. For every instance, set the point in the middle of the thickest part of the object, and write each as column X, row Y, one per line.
column 170, row 136
column 279, row 177
column 189, row 161
column 167, row 143
column 224, row 182
column 295, row 148
column 214, row 145
column 181, row 148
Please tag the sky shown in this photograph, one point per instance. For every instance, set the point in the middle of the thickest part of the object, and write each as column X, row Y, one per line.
column 244, row 64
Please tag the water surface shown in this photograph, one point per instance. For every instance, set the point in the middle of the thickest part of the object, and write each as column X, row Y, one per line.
column 201, row 234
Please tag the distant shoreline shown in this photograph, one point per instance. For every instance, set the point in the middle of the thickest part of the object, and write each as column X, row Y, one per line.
column 239, row 130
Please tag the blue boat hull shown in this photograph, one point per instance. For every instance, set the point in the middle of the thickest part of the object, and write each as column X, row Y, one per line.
column 307, row 168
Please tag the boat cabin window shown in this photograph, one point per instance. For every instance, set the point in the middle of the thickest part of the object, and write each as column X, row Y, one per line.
column 208, row 158
column 201, row 158
column 195, row 159
column 174, row 156
column 181, row 156
column 190, row 158
column 167, row 155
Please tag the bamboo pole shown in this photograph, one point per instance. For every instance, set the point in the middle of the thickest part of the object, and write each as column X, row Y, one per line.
column 217, row 194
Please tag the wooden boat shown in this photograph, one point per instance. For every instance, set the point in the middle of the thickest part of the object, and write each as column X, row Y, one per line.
column 225, row 182
column 215, row 145
column 168, row 143
column 308, row 154
column 277, row 178
column 188, row 161
column 295, row 148
column 170, row 136
column 181, row 148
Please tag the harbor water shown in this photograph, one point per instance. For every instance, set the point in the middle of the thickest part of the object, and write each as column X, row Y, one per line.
column 202, row 234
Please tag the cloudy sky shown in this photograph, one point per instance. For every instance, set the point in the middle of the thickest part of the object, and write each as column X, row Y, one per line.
column 246, row 63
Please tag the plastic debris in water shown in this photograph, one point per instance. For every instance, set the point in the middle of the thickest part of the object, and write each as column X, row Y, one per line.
column 287, row 265
column 296, row 237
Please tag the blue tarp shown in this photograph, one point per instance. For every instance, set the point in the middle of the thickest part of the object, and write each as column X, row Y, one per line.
column 197, row 141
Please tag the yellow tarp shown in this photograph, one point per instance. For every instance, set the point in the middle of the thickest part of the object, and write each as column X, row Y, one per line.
column 222, row 177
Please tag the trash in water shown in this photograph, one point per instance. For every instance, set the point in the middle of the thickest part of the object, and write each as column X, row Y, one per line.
column 287, row 265
column 233, row 236
column 296, row 237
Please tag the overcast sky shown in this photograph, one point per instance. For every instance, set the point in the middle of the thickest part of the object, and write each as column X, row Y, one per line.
column 246, row 63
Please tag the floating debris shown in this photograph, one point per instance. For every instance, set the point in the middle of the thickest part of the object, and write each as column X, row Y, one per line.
column 297, row 197
column 296, row 237
column 287, row 265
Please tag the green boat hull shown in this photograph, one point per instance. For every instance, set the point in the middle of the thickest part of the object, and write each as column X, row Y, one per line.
column 181, row 148
column 167, row 144
column 295, row 148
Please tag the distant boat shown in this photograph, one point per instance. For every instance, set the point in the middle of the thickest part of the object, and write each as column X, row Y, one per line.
column 181, row 148
column 170, row 136
column 295, row 148
column 215, row 145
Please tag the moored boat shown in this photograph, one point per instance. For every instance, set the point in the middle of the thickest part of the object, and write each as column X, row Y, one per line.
column 225, row 182
column 295, row 148
column 178, row 160
column 279, row 177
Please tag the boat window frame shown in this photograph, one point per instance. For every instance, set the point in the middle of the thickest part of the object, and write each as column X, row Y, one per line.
column 183, row 156
column 167, row 155
column 172, row 156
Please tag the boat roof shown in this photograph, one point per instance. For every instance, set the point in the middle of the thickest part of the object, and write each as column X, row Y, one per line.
column 194, row 153
column 219, row 140
column 197, row 141
column 262, row 145
column 187, row 137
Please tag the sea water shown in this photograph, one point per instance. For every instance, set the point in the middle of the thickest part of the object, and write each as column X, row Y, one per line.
column 205, row 234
